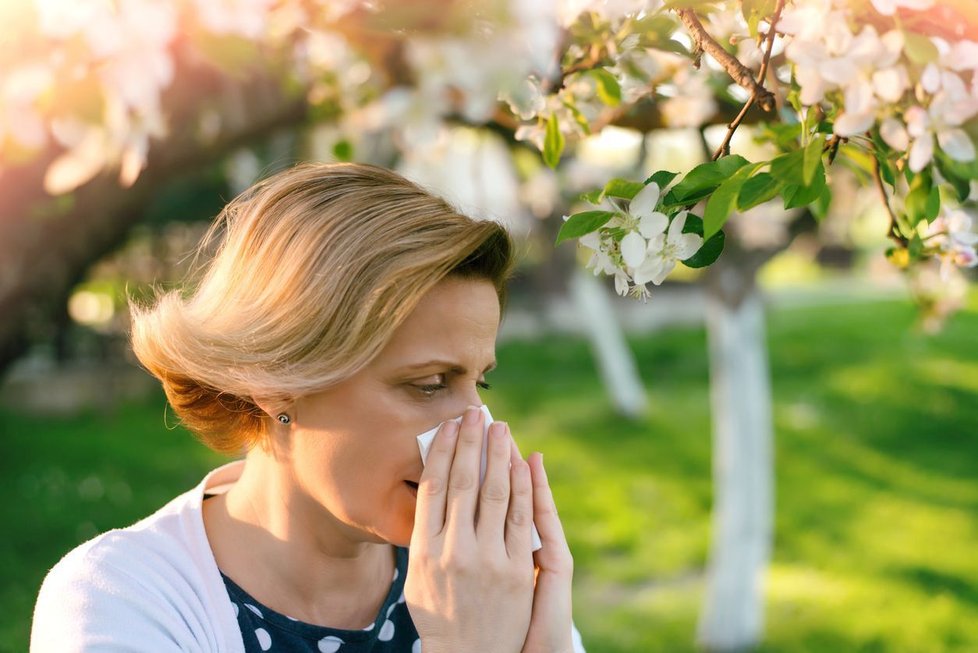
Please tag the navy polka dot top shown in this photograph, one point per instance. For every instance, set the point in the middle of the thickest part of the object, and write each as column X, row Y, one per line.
column 266, row 630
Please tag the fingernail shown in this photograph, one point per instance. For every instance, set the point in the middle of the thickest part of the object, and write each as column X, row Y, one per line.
column 450, row 427
column 498, row 429
column 471, row 415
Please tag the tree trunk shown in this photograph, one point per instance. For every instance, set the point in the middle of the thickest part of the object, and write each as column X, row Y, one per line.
column 616, row 364
column 47, row 244
column 733, row 611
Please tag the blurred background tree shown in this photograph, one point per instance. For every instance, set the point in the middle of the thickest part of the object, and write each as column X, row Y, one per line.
column 126, row 125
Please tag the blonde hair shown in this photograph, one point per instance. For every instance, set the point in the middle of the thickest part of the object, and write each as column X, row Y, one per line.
column 314, row 269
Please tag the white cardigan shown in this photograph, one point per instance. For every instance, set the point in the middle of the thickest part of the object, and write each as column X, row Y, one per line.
column 153, row 586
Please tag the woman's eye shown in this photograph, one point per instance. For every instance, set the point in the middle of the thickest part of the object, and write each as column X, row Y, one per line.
column 430, row 389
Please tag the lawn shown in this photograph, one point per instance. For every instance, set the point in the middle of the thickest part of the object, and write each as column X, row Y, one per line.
column 877, row 499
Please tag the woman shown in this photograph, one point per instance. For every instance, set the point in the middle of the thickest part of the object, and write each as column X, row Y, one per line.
column 344, row 312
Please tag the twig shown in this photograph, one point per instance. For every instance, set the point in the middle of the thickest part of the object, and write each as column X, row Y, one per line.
column 832, row 147
column 595, row 58
column 893, row 232
column 737, row 71
column 758, row 87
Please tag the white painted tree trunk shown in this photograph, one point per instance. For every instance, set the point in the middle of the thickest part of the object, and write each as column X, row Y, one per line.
column 743, row 470
column 616, row 363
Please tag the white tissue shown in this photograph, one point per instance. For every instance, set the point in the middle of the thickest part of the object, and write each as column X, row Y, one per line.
column 424, row 444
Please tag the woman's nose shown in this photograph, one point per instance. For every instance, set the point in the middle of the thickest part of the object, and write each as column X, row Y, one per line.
column 463, row 400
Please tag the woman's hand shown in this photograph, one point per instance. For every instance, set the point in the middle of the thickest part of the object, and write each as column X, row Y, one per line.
column 550, row 626
column 470, row 574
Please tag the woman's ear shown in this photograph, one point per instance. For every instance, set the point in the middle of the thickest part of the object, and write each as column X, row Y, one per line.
column 278, row 410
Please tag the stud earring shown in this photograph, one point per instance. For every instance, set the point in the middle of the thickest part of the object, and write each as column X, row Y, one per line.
column 285, row 419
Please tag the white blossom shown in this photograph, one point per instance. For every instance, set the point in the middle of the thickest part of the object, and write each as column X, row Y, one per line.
column 953, row 234
column 665, row 250
column 889, row 7
column 924, row 125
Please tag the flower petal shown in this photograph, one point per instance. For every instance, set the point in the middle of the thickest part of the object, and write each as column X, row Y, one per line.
column 644, row 202
column 621, row 284
column 653, row 224
column 633, row 249
column 894, row 134
column 956, row 144
column 688, row 245
column 921, row 152
column 930, row 80
column 664, row 272
column 918, row 121
column 676, row 228
column 890, row 83
column 648, row 270
column 851, row 124
column 591, row 240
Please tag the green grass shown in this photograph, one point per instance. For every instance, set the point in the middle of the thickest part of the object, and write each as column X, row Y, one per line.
column 876, row 455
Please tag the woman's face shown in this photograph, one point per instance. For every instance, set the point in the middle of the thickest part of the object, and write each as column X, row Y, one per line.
column 353, row 449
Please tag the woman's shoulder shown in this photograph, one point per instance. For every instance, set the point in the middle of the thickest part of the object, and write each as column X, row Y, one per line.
column 138, row 582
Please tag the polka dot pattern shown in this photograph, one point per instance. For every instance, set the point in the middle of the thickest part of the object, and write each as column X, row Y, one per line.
column 330, row 644
column 266, row 631
column 264, row 639
column 386, row 633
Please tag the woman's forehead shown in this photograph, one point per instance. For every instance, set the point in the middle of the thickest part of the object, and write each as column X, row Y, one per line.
column 455, row 322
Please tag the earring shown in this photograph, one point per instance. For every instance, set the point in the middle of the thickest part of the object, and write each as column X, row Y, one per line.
column 284, row 418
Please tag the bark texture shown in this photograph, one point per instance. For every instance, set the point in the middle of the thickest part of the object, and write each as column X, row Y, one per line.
column 47, row 243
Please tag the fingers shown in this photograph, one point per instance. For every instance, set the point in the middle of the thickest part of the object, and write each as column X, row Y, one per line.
column 433, row 486
column 463, row 479
column 519, row 519
column 555, row 552
column 494, row 495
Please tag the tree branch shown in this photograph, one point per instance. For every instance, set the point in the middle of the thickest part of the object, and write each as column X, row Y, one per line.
column 737, row 71
column 47, row 244
column 724, row 148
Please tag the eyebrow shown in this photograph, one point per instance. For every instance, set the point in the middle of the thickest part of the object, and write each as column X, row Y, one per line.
column 455, row 368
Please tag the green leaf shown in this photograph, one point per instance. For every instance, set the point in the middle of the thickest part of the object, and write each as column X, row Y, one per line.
column 784, row 135
column 662, row 178
column 622, row 188
column 811, row 158
column 553, row 142
column 887, row 172
column 933, row 205
column 724, row 200
column 820, row 207
column 592, row 197
column 919, row 48
column 343, row 150
column 923, row 201
column 710, row 250
column 961, row 185
column 583, row 223
column 797, row 195
column 916, row 246
column 703, row 180
column 579, row 117
column 758, row 189
column 789, row 168
column 609, row 91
